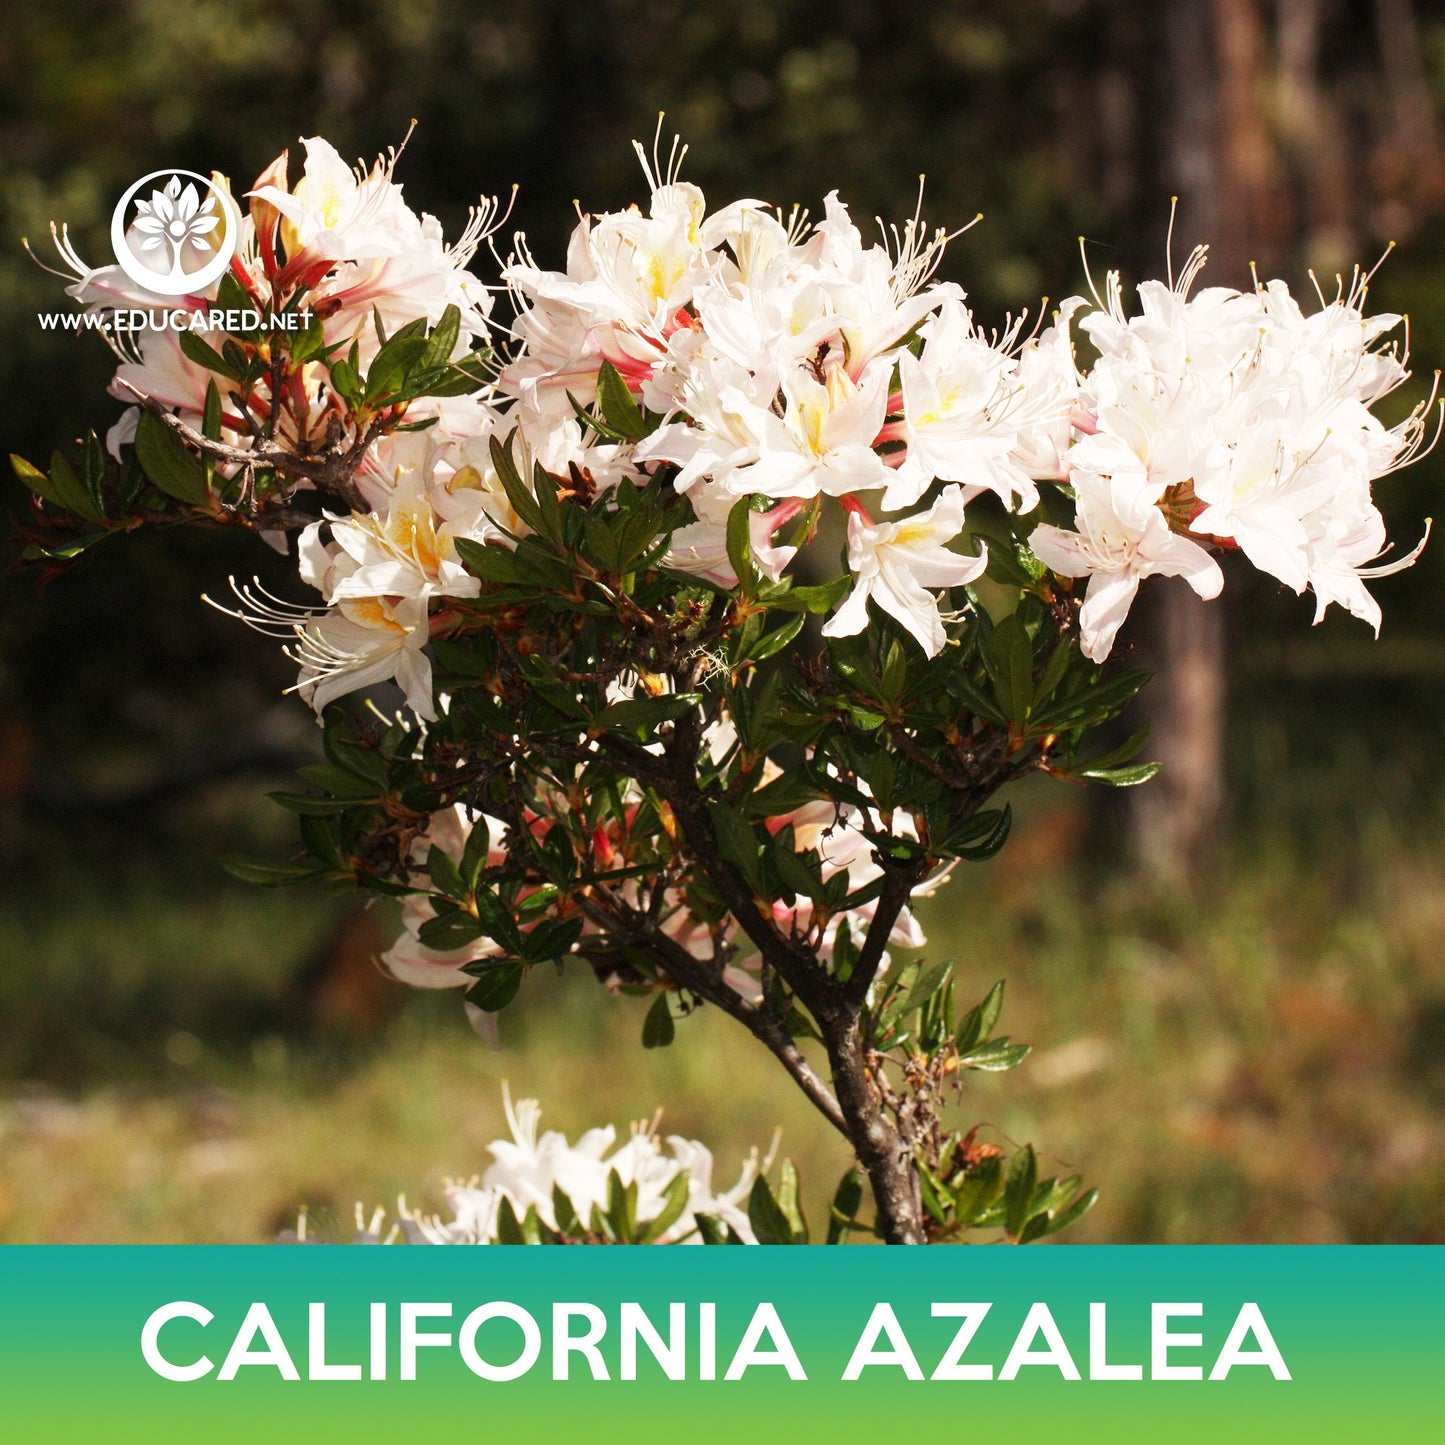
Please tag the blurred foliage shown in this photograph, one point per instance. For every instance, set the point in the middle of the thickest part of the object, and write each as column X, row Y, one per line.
column 1276, row 1070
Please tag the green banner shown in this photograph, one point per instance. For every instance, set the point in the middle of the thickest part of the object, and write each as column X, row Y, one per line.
column 1077, row 1343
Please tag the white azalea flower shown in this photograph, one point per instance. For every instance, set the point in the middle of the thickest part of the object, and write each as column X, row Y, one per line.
column 362, row 642
column 962, row 399
column 401, row 552
column 339, row 213
column 1122, row 537
column 895, row 563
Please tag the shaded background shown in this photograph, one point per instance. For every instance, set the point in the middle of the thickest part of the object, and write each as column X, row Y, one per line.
column 1234, row 978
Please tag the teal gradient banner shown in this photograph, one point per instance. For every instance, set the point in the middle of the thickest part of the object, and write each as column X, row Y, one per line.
column 1077, row 1343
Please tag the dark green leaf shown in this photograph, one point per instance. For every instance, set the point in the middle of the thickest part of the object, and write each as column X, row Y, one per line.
column 442, row 869
column 1009, row 656
column 658, row 1029
column 167, row 463
column 204, row 355
column 451, row 928
column 736, row 840
column 978, row 1022
column 509, row 1228
column 524, row 504
column 617, row 405
column 497, row 987
column 250, row 870
column 648, row 712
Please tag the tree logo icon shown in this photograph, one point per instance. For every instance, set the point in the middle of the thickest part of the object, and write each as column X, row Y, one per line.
column 181, row 236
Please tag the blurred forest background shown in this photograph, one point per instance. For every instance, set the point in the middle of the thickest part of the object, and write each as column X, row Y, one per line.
column 1235, row 979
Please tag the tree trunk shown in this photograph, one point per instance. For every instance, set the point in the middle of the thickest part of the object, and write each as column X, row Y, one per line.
column 882, row 1153
column 1216, row 154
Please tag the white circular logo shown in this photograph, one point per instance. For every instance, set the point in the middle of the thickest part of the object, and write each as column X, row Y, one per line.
column 182, row 235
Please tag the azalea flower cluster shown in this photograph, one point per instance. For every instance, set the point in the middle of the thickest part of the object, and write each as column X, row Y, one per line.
column 798, row 365
column 534, row 1170
column 1230, row 420
column 343, row 244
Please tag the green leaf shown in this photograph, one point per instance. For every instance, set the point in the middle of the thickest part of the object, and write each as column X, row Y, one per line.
column 70, row 492
column 770, row 1224
column 442, row 869
column 1054, row 669
column 92, row 470
column 1121, row 777
column 474, row 854
column 497, row 921
column 553, row 940
column 167, row 463
column 1009, row 657
column 658, row 1029
column 714, row 1231
column 205, row 355
column 1071, row 1214
column 305, row 345
column 740, row 545
column 1023, row 1174
column 311, row 804
column 736, row 841
column 978, row 838
column 622, row 1207
column 674, row 1201
column 1126, row 752
column 790, row 1203
column 565, row 1213
column 818, row 599
column 524, row 504
column 616, row 402
column 509, row 1229
column 978, row 1022
column 544, row 488
column 211, row 418
column 979, row 1190
column 794, row 870
column 926, row 986
column 451, row 928
column 340, row 782
column 494, row 564
column 1092, row 704
column 843, row 1214
column 776, row 640
column 497, row 987
column 231, row 295
column 251, row 870
column 648, row 712
column 443, row 340
column 32, row 477
column 997, row 1056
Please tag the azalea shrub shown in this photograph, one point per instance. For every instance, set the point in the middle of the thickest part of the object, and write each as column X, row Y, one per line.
column 683, row 615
